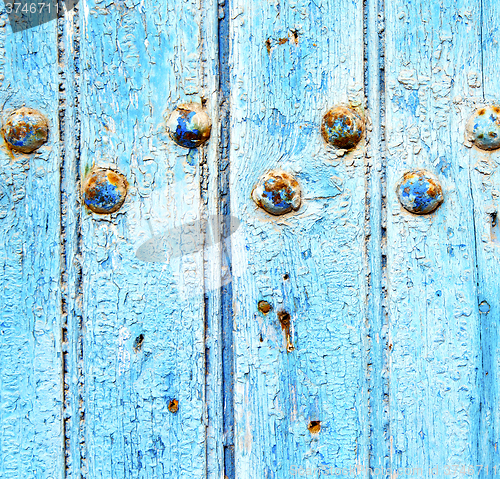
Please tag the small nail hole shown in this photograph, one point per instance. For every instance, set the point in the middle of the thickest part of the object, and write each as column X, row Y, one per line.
column 495, row 229
column 138, row 342
column 286, row 277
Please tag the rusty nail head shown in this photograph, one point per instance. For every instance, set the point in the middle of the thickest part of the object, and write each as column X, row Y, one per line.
column 314, row 427
column 277, row 192
column 104, row 190
column 26, row 130
column 419, row 192
column 173, row 406
column 483, row 128
column 342, row 127
column 189, row 125
column 264, row 307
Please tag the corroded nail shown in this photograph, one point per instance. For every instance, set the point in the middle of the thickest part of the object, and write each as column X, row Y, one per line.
column 419, row 192
column 26, row 130
column 189, row 125
column 285, row 321
column 264, row 307
column 314, row 427
column 483, row 128
column 342, row 127
column 104, row 190
column 173, row 406
column 277, row 193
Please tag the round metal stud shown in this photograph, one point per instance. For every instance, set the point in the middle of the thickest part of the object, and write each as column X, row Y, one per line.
column 342, row 127
column 104, row 190
column 277, row 193
column 26, row 130
column 419, row 192
column 483, row 128
column 189, row 125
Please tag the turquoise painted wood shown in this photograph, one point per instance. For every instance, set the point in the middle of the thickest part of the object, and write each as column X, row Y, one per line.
column 193, row 334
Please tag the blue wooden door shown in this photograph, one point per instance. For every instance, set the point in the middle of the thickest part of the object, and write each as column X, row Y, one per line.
column 266, row 304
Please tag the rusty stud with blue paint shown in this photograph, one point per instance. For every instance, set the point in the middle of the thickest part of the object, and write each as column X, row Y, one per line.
column 189, row 125
column 104, row 190
column 25, row 130
column 343, row 127
column 419, row 192
column 483, row 128
column 277, row 192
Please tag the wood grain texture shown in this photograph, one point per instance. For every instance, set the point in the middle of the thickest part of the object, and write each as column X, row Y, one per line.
column 138, row 61
column 31, row 439
column 290, row 62
column 433, row 64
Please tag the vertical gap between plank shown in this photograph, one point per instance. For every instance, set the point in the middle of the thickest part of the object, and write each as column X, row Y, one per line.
column 68, row 44
column 375, row 238
column 225, row 210
column 63, row 205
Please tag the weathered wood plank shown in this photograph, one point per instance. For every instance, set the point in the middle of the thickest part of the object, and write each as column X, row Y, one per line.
column 485, row 186
column 433, row 58
column 144, row 342
column 290, row 62
column 31, row 440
